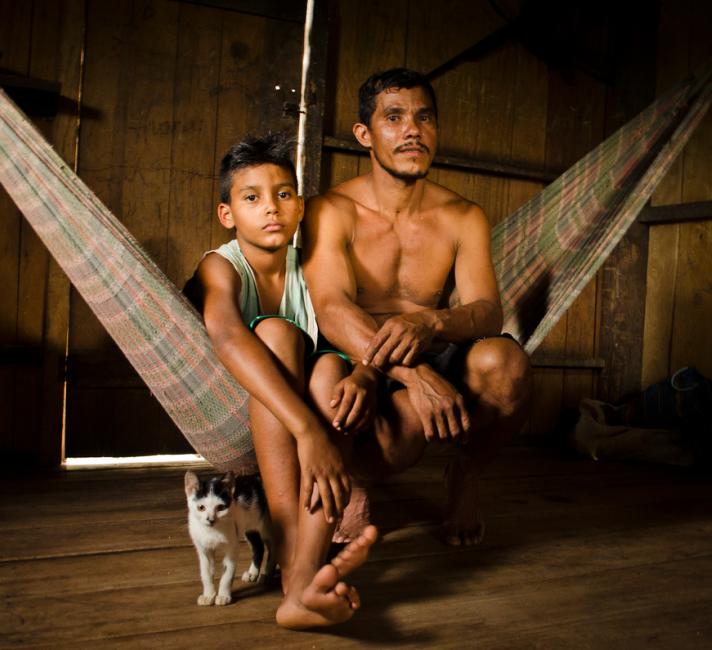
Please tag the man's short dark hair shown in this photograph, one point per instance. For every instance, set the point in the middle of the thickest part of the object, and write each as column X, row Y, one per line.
column 394, row 78
column 273, row 148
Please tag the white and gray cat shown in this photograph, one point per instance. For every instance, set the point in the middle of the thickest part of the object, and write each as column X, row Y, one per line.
column 220, row 510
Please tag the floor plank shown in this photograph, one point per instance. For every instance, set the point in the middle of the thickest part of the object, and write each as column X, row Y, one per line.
column 577, row 554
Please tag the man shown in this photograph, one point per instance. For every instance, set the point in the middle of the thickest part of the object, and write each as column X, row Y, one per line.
column 381, row 253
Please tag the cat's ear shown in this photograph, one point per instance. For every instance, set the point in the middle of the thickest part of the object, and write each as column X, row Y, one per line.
column 191, row 483
column 229, row 482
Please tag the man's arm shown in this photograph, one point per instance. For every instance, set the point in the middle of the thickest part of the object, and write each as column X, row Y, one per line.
column 253, row 365
column 332, row 285
column 327, row 231
column 402, row 338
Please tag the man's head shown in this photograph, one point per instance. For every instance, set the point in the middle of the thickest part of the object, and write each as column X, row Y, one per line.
column 395, row 78
column 258, row 192
column 398, row 114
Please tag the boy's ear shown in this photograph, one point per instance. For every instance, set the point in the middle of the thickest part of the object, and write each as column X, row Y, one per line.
column 362, row 134
column 301, row 208
column 225, row 215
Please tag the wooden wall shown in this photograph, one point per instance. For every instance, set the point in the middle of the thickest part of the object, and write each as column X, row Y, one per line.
column 679, row 282
column 166, row 87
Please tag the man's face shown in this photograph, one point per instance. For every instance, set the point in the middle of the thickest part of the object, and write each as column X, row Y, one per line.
column 403, row 132
column 264, row 207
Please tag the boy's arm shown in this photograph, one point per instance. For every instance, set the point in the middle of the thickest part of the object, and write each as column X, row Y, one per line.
column 253, row 366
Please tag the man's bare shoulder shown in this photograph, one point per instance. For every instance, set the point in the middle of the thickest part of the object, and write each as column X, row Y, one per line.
column 451, row 205
column 342, row 198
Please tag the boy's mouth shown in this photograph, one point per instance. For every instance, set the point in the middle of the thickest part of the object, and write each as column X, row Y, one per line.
column 273, row 227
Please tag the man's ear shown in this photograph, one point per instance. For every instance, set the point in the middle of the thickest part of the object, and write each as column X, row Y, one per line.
column 225, row 215
column 362, row 134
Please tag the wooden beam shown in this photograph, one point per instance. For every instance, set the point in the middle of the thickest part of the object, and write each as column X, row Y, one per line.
column 315, row 98
column 36, row 97
column 483, row 47
column 289, row 10
column 547, row 360
column 506, row 169
column 675, row 213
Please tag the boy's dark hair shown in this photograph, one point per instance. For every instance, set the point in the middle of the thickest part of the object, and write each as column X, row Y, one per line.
column 273, row 148
column 393, row 78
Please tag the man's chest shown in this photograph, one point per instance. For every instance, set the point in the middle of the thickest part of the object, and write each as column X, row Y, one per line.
column 405, row 260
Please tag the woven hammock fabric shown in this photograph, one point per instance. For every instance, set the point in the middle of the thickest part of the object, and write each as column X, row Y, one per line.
column 156, row 328
column 549, row 249
column 544, row 254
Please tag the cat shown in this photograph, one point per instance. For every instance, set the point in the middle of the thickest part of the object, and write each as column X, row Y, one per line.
column 221, row 509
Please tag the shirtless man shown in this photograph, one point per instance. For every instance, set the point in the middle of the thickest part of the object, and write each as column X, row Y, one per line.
column 381, row 251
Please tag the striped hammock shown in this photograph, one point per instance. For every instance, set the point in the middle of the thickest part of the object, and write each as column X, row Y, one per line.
column 544, row 254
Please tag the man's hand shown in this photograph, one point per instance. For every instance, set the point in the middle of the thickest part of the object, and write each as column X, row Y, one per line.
column 401, row 339
column 354, row 398
column 322, row 470
column 439, row 406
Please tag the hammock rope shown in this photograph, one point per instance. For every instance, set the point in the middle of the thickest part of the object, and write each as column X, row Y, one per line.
column 544, row 254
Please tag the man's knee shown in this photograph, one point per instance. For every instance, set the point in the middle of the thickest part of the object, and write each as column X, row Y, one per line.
column 498, row 371
column 280, row 336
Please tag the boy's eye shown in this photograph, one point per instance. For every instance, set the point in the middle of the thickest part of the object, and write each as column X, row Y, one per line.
column 250, row 197
column 201, row 508
column 284, row 195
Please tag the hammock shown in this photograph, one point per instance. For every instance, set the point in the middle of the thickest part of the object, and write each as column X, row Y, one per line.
column 544, row 254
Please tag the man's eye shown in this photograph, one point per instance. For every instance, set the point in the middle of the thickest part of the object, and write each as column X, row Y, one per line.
column 392, row 118
column 425, row 117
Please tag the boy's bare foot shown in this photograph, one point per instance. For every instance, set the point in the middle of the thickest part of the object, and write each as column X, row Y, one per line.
column 327, row 600
column 463, row 525
column 356, row 517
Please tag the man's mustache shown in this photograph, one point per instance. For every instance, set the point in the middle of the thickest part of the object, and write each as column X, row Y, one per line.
column 413, row 145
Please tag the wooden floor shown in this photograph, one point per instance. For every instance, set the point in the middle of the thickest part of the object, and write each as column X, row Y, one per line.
column 577, row 554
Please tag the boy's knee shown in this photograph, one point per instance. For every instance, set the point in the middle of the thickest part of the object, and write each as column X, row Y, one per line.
column 280, row 335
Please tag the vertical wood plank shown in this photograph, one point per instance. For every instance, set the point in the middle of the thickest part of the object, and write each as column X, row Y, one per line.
column 663, row 240
column 623, row 303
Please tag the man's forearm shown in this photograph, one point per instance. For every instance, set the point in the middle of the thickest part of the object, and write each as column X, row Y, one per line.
column 348, row 328
column 466, row 322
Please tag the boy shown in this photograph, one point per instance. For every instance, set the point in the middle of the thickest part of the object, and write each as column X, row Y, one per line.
column 259, row 317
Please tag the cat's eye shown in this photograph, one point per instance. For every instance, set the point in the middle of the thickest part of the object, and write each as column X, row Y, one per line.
column 222, row 507
column 201, row 508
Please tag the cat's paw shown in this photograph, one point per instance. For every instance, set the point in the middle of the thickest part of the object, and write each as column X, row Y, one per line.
column 206, row 599
column 251, row 575
column 223, row 599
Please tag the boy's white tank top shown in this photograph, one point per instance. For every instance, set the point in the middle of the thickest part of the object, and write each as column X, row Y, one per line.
column 296, row 305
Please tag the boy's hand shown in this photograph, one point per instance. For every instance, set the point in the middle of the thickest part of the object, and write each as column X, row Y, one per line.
column 323, row 471
column 354, row 399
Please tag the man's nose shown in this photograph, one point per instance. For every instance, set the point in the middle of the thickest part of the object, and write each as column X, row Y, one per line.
column 412, row 127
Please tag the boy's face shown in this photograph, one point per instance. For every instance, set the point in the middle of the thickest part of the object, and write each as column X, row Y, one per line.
column 264, row 207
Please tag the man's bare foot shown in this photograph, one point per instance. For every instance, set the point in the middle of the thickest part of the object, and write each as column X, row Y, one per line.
column 326, row 600
column 356, row 517
column 463, row 525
